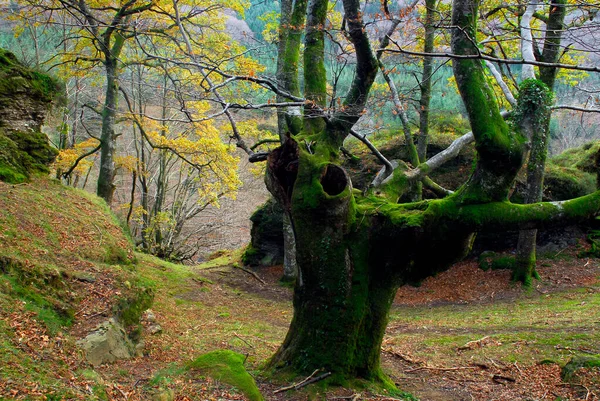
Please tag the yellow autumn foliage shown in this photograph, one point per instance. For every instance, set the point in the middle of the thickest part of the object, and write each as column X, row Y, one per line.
column 67, row 157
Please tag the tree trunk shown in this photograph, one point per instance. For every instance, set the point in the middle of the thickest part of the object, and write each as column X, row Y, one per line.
column 340, row 306
column 425, row 85
column 532, row 115
column 290, row 266
column 108, row 139
column 524, row 269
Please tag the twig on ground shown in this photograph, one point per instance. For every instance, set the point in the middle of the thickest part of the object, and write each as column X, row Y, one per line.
column 99, row 232
column 122, row 393
column 585, row 351
column 440, row 369
column 473, row 344
column 353, row 397
column 97, row 314
column 252, row 274
column 500, row 379
column 518, row 368
column 246, row 342
column 309, row 380
column 401, row 356
column 495, row 364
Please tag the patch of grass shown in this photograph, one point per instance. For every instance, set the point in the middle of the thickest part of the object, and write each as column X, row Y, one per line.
column 226, row 258
column 167, row 375
column 525, row 330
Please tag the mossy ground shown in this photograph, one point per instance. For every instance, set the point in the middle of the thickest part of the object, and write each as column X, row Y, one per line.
column 59, row 234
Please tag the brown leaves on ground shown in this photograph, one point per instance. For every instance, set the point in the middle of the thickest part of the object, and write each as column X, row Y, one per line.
column 466, row 283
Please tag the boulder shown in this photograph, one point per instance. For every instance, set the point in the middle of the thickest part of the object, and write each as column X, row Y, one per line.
column 107, row 343
column 266, row 245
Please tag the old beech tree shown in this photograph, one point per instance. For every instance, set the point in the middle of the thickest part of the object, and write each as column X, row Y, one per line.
column 354, row 250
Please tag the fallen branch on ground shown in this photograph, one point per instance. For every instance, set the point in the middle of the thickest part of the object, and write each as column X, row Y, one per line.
column 252, row 274
column 440, row 369
column 500, row 379
column 401, row 356
column 309, row 380
column 474, row 344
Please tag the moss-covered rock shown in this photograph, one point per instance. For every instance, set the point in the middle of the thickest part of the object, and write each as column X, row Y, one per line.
column 569, row 371
column 129, row 308
column 266, row 246
column 25, row 98
column 228, row 367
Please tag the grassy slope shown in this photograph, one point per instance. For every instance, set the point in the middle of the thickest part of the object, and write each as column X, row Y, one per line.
column 64, row 236
column 54, row 240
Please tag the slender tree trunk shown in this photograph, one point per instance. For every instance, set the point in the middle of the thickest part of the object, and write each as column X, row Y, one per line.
column 533, row 115
column 108, row 138
column 315, row 76
column 290, row 267
column 425, row 85
column 524, row 270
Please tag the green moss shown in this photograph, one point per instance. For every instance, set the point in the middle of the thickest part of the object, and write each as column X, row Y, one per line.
column 228, row 367
column 23, row 154
column 493, row 261
column 14, row 77
column 249, row 255
column 11, row 176
column 43, row 289
column 569, row 371
column 564, row 183
column 581, row 158
column 137, row 299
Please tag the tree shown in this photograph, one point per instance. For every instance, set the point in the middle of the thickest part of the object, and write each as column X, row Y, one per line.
column 106, row 35
column 354, row 250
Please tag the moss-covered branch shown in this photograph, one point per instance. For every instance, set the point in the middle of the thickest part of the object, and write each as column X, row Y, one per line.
column 315, row 75
column 366, row 69
column 500, row 150
column 291, row 57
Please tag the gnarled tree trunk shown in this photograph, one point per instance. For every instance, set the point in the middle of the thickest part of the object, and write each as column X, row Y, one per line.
column 354, row 251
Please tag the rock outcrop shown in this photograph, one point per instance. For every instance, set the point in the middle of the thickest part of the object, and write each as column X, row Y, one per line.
column 266, row 246
column 25, row 98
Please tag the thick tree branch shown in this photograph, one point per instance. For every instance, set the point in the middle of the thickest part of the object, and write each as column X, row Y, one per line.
column 366, row 68
column 482, row 56
column 527, row 71
column 80, row 158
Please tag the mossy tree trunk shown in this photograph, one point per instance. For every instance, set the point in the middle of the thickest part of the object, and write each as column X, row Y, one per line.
column 534, row 116
column 288, row 50
column 353, row 251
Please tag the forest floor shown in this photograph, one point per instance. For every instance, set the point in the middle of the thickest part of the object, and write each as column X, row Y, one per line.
column 465, row 334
